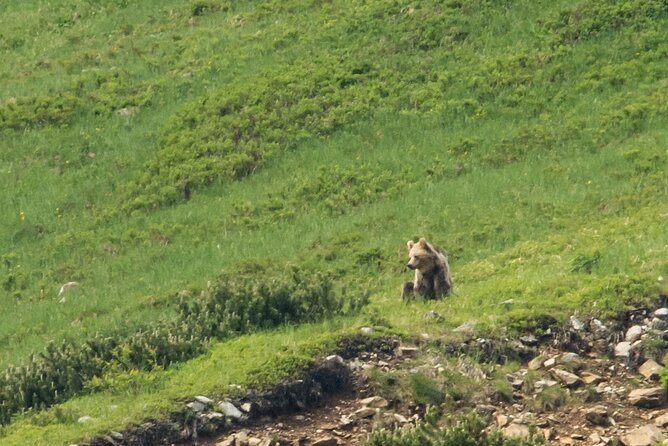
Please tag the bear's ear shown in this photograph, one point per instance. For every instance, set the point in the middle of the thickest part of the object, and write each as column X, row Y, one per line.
column 410, row 244
column 422, row 243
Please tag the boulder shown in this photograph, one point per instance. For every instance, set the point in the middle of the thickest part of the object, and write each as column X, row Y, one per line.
column 623, row 349
column 591, row 378
column 650, row 369
column 516, row 431
column 643, row 436
column 230, row 410
column 648, row 398
column 377, row 402
column 537, row 362
column 661, row 313
column 633, row 333
column 325, row 441
column 597, row 415
column 567, row 378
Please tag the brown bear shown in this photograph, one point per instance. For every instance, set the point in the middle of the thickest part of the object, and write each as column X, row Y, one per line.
column 432, row 272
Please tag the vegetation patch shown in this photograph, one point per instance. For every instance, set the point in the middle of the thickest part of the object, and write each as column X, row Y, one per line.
column 248, row 300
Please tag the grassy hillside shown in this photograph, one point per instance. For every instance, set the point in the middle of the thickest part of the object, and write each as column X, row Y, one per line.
column 145, row 148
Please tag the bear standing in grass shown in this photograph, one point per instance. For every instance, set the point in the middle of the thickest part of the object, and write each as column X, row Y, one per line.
column 432, row 272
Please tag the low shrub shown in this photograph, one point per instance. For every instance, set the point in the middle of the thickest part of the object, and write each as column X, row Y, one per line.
column 256, row 297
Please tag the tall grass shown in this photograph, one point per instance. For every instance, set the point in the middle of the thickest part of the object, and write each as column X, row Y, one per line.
column 517, row 136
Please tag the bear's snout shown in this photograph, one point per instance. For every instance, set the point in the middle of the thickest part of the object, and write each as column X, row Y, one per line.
column 410, row 266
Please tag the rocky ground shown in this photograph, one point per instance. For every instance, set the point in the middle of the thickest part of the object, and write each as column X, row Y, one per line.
column 586, row 384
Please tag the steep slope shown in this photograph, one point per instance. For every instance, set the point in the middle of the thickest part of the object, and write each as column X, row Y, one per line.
column 147, row 147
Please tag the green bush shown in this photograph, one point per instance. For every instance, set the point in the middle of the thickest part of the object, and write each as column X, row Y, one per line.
column 256, row 297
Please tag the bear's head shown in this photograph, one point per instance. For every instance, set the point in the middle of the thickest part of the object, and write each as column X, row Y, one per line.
column 422, row 256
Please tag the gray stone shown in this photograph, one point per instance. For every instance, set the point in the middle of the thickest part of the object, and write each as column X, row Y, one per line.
column 502, row 420
column 572, row 360
column 650, row 369
column 85, row 419
column 335, row 358
column 196, row 406
column 529, row 340
column 598, row 327
column 648, row 398
column 633, row 333
column 366, row 330
column 658, row 324
column 230, row 410
column 567, row 378
column 661, row 313
column 204, row 400
column 623, row 349
column 116, row 436
column 577, row 324
column 543, row 383
column 643, row 436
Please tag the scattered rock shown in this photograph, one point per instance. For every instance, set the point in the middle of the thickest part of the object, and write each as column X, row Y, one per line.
column 325, row 441
column 230, row 410
column 376, row 402
column 597, row 415
column 572, row 360
column 85, row 419
column 364, row 412
column 648, row 398
column 633, row 333
column 591, row 378
column 642, row 436
column 366, row 330
column 537, row 362
column 577, row 324
column 567, row 378
column 229, row 441
column 661, row 313
column 529, row 340
column 204, row 400
column 502, row 420
column 516, row 431
column 406, row 351
column 196, row 406
column 623, row 349
column 650, row 370
column 661, row 420
column 658, row 324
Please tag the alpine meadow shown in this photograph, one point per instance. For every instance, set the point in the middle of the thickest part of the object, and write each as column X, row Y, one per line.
column 231, row 184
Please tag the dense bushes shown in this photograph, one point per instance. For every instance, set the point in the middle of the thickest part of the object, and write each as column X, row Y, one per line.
column 257, row 297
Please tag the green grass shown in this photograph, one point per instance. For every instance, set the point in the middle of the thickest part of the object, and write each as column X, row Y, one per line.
column 523, row 137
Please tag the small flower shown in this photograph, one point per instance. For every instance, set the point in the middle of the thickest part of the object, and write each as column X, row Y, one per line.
column 22, row 216
column 588, row 182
